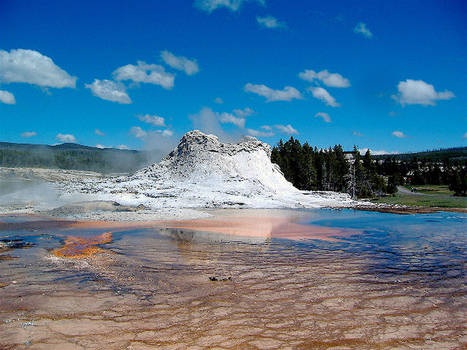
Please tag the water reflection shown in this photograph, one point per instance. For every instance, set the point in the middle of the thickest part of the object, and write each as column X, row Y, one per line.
column 393, row 282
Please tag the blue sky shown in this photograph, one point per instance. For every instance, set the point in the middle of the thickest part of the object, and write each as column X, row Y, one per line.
column 385, row 75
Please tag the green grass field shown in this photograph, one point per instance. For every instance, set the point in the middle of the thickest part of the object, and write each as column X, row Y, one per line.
column 433, row 189
column 424, row 201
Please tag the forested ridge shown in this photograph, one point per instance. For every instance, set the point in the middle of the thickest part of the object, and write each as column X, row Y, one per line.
column 453, row 154
column 71, row 156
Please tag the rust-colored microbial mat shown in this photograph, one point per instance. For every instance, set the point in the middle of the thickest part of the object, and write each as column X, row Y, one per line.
column 80, row 247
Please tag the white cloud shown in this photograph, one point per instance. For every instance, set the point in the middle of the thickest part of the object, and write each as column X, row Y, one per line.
column 27, row 134
column 259, row 133
column 167, row 133
column 98, row 132
column 208, row 122
column 243, row 112
column 237, row 118
column 145, row 73
column 29, row 66
column 148, row 136
column 323, row 95
column 362, row 29
column 464, row 136
column 232, row 5
column 418, row 92
column 137, row 132
column 286, row 129
column 211, row 122
column 230, row 118
column 270, row 22
column 326, row 118
column 208, row 119
column 356, row 133
column 398, row 134
column 7, row 97
column 328, row 79
column 376, row 152
column 218, row 100
column 123, row 147
column 109, row 90
column 152, row 119
column 286, row 94
column 101, row 146
column 190, row 67
column 65, row 138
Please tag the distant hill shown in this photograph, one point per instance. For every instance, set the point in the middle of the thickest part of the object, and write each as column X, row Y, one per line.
column 439, row 155
column 71, row 156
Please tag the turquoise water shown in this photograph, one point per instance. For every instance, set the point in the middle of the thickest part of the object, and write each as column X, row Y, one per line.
column 414, row 247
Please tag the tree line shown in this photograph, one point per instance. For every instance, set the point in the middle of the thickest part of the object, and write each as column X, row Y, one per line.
column 312, row 169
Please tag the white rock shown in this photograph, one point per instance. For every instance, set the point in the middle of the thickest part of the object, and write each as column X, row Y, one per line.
column 203, row 172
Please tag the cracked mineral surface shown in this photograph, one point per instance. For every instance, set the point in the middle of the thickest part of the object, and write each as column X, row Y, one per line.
column 383, row 282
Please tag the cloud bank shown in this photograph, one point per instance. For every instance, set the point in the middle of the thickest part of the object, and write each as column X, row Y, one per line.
column 29, row 66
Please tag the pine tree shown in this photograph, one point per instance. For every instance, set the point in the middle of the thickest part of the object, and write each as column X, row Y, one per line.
column 458, row 182
column 392, row 185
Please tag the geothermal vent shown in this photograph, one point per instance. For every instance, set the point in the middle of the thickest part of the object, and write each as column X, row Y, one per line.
column 203, row 160
column 202, row 172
